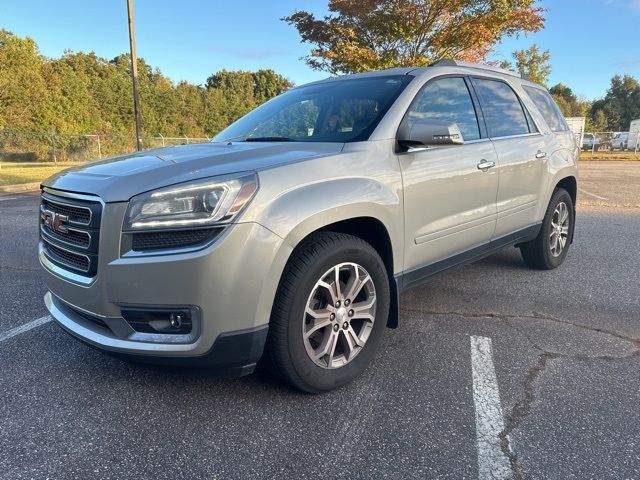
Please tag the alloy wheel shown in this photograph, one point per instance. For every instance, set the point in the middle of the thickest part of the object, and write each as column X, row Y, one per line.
column 339, row 315
column 559, row 234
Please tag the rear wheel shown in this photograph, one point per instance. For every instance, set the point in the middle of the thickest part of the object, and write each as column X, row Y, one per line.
column 550, row 247
column 329, row 313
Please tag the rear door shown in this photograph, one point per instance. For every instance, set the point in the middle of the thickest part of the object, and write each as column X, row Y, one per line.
column 450, row 202
column 522, row 156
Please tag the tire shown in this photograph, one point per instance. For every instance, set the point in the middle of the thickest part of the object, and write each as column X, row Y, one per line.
column 289, row 351
column 540, row 253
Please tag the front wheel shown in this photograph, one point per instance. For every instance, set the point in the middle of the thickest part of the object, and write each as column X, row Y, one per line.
column 550, row 247
column 330, row 312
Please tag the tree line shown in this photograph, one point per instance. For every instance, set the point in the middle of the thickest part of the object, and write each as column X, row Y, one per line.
column 84, row 93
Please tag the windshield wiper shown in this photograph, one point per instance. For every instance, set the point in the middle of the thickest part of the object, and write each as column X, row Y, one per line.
column 269, row 139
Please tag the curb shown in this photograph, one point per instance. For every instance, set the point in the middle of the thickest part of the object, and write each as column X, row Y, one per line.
column 24, row 187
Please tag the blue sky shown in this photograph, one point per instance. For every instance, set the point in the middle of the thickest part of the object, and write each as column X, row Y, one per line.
column 589, row 40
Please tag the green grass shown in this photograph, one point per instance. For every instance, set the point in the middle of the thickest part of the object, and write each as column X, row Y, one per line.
column 12, row 173
column 16, row 173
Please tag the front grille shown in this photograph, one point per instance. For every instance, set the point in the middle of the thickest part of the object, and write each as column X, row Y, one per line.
column 182, row 238
column 70, row 232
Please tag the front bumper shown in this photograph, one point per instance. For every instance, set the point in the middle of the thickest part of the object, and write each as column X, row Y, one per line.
column 230, row 286
column 232, row 354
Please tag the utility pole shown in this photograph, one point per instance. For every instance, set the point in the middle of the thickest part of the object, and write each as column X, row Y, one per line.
column 134, row 75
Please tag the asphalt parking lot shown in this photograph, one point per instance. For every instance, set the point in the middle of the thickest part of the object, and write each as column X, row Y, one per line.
column 565, row 352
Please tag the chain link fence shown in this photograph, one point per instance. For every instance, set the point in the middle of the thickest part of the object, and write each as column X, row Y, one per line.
column 611, row 142
column 18, row 146
column 25, row 146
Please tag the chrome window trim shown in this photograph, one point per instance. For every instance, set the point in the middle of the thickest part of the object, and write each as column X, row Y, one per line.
column 479, row 140
column 521, row 135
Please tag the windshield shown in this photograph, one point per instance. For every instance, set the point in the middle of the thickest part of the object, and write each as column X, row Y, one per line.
column 340, row 111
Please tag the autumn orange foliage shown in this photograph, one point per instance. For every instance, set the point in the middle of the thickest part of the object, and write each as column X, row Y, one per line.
column 361, row 35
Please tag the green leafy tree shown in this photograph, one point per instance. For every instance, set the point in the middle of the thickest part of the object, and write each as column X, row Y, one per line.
column 24, row 97
column 361, row 35
column 531, row 63
column 620, row 105
column 596, row 122
column 569, row 103
column 267, row 84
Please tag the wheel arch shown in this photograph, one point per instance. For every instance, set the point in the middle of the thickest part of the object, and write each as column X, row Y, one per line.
column 373, row 231
column 570, row 184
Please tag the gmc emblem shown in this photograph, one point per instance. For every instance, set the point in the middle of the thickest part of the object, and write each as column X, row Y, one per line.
column 54, row 221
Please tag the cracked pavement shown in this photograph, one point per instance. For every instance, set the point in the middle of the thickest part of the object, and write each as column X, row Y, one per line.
column 566, row 350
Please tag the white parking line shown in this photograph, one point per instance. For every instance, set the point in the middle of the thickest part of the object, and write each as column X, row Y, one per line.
column 492, row 462
column 592, row 194
column 24, row 328
column 2, row 199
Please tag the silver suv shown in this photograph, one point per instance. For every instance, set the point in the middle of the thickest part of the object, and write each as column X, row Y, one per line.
column 292, row 234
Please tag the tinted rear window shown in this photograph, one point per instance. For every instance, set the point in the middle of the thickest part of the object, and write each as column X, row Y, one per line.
column 501, row 107
column 548, row 108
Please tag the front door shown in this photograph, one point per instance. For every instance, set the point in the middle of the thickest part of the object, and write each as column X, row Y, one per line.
column 449, row 190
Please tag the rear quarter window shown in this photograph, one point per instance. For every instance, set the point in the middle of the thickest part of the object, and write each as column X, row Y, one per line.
column 548, row 108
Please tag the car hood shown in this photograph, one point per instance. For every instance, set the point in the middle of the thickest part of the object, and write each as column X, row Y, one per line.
column 119, row 178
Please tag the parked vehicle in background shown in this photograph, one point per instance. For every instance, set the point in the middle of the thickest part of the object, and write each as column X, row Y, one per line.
column 296, row 229
column 619, row 141
column 590, row 142
column 633, row 142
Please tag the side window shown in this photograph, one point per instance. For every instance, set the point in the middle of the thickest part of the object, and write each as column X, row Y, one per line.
column 548, row 108
column 501, row 107
column 447, row 99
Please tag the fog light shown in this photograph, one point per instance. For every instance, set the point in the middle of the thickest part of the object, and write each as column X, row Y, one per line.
column 175, row 321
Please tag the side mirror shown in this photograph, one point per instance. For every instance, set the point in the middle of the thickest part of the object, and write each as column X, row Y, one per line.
column 423, row 132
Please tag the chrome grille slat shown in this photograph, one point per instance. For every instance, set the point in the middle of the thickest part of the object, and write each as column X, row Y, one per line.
column 76, row 213
column 69, row 258
column 67, row 239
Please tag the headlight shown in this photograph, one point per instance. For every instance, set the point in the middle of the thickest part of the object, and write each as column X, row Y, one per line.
column 192, row 204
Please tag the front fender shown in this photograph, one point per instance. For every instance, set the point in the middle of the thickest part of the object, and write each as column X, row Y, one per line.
column 297, row 212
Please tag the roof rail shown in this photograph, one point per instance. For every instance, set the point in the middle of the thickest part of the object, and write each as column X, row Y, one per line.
column 449, row 62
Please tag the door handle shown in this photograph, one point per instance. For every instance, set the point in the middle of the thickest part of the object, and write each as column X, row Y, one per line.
column 541, row 154
column 485, row 165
